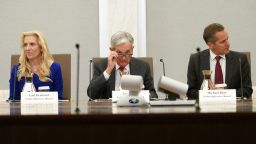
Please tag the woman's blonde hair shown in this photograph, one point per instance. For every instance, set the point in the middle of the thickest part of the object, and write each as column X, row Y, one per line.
column 46, row 58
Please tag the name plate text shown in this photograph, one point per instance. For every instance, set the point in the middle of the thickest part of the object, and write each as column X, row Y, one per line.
column 216, row 97
column 39, row 97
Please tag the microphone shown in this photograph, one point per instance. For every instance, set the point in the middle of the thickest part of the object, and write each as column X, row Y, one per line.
column 196, row 93
column 198, row 49
column 162, row 61
column 241, row 79
column 90, row 74
column 169, row 95
column 90, row 70
column 77, row 110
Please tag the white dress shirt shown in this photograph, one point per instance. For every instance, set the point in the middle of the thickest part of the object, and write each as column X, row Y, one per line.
column 118, row 75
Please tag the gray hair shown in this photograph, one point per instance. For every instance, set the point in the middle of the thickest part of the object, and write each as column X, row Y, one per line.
column 120, row 38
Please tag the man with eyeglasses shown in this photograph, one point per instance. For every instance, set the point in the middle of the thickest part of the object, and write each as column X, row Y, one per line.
column 107, row 72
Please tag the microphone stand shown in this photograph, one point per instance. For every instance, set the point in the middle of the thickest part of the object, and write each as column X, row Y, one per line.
column 162, row 61
column 90, row 74
column 90, row 70
column 241, row 79
column 198, row 49
column 77, row 110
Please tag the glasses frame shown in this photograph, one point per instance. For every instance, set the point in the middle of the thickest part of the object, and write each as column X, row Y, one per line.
column 127, row 55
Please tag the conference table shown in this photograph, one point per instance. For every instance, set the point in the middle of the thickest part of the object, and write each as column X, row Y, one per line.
column 102, row 121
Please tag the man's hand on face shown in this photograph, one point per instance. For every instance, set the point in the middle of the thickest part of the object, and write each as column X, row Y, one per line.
column 111, row 61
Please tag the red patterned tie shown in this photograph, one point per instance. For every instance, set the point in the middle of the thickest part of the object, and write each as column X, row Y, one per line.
column 218, row 71
column 122, row 71
column 121, row 68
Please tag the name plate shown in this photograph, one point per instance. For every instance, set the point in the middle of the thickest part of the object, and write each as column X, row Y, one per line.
column 39, row 97
column 216, row 97
column 39, row 108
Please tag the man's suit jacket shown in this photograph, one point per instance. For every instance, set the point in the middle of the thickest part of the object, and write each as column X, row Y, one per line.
column 100, row 88
column 201, row 61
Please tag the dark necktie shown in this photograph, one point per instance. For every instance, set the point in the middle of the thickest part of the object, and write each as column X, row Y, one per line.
column 122, row 71
column 121, row 68
column 218, row 71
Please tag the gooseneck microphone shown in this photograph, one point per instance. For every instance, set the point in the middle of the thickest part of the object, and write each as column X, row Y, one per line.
column 90, row 78
column 77, row 110
column 198, row 49
column 241, row 79
column 196, row 93
column 162, row 61
column 90, row 70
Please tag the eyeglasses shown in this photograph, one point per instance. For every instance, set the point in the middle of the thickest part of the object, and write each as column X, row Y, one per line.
column 127, row 55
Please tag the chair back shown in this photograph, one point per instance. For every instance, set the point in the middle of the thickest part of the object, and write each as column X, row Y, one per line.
column 248, row 55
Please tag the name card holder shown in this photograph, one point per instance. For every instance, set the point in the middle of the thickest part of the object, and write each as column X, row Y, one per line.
column 39, row 108
column 123, row 98
column 219, row 97
column 39, row 97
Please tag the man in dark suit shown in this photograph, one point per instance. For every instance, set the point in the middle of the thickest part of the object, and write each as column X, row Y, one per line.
column 107, row 72
column 223, row 63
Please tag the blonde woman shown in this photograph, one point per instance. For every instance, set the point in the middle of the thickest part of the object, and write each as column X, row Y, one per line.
column 36, row 61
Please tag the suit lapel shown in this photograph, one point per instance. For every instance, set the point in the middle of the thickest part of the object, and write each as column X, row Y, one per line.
column 229, row 66
column 132, row 67
column 112, row 79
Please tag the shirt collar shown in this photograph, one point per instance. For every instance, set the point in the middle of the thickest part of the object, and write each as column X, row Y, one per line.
column 127, row 67
column 213, row 55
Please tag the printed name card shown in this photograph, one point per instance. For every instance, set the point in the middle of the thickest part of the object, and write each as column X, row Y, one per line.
column 39, row 97
column 217, row 97
column 39, row 108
